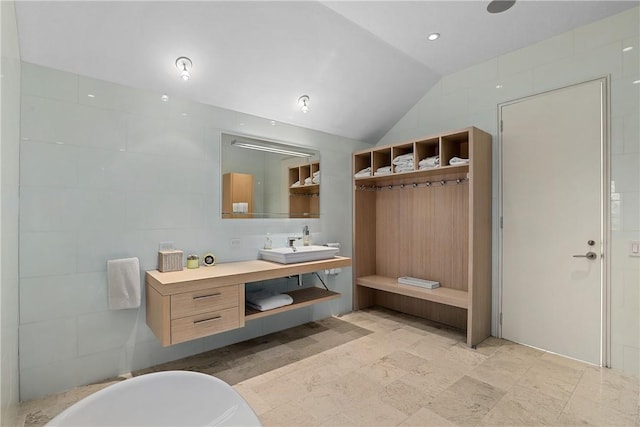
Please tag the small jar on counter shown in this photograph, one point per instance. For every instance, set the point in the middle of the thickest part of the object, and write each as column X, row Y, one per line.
column 193, row 261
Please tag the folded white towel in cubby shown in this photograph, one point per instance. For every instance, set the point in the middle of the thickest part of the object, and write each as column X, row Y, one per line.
column 363, row 172
column 404, row 158
column 458, row 161
column 429, row 162
column 265, row 300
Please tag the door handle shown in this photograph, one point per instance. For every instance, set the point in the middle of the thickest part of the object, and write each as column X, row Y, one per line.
column 588, row 255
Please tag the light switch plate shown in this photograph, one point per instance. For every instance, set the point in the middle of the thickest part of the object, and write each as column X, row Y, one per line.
column 634, row 248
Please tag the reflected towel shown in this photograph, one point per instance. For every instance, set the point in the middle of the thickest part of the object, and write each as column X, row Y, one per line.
column 123, row 281
column 264, row 300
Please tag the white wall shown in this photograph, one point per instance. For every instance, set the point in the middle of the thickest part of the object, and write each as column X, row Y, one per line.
column 9, row 153
column 470, row 98
column 110, row 177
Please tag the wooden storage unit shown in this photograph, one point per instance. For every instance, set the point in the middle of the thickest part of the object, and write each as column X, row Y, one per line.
column 431, row 224
column 304, row 199
column 237, row 188
column 194, row 303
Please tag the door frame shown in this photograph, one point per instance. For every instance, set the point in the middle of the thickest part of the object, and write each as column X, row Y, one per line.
column 605, row 191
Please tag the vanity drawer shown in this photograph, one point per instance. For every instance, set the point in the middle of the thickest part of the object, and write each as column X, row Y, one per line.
column 192, row 303
column 202, row 325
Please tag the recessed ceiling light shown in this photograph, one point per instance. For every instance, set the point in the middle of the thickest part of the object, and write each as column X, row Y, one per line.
column 164, row 98
column 433, row 36
column 273, row 122
column 627, row 49
column 499, row 86
column 635, row 82
column 499, row 6
column 90, row 95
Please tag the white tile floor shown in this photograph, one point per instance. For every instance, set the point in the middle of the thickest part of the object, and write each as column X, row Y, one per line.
column 378, row 367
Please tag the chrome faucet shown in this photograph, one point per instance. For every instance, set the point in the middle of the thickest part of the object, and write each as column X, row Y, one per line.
column 291, row 242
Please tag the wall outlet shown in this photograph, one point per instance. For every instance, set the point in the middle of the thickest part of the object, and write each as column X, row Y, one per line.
column 234, row 243
column 634, row 248
column 165, row 246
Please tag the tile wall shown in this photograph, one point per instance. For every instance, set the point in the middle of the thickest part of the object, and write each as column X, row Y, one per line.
column 110, row 176
column 9, row 152
column 470, row 98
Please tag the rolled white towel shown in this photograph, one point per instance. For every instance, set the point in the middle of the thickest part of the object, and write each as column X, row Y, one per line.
column 316, row 179
column 316, row 173
column 307, row 181
column 458, row 161
column 296, row 184
column 404, row 158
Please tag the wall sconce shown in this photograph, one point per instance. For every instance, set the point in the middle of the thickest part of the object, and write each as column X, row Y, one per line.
column 184, row 64
column 303, row 102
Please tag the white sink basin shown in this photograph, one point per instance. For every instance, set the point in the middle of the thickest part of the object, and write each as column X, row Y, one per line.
column 301, row 254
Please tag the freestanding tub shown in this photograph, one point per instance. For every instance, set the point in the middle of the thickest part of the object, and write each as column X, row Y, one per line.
column 171, row 398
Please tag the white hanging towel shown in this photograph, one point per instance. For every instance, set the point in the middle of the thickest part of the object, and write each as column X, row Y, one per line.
column 123, row 281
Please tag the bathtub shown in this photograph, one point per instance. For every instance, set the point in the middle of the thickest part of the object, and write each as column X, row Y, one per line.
column 171, row 398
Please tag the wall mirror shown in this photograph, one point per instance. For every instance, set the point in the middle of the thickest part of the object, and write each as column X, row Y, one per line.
column 268, row 179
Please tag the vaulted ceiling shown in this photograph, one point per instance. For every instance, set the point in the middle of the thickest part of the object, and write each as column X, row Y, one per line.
column 364, row 64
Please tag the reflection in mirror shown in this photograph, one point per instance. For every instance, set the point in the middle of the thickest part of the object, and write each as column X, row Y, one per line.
column 267, row 179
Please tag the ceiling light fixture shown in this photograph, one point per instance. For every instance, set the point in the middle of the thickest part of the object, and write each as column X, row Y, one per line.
column 433, row 36
column 499, row 6
column 635, row 82
column 303, row 102
column 269, row 149
column 184, row 64
column 627, row 49
column 164, row 98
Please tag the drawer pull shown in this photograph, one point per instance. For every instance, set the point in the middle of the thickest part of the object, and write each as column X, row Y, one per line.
column 217, row 294
column 207, row 320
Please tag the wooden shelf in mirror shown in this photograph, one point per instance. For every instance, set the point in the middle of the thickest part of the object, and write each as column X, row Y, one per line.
column 304, row 199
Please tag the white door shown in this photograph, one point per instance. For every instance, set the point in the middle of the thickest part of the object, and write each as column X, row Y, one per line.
column 552, row 196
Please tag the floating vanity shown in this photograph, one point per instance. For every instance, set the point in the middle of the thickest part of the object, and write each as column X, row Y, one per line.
column 194, row 303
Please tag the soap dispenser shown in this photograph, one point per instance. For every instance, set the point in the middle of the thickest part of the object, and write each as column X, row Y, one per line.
column 306, row 237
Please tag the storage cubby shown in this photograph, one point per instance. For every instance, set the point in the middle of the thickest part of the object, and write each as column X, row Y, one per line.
column 362, row 161
column 381, row 158
column 399, row 150
column 454, row 145
column 304, row 198
column 432, row 224
column 426, row 148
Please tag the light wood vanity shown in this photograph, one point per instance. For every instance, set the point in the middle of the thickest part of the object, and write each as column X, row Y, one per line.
column 432, row 224
column 189, row 304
